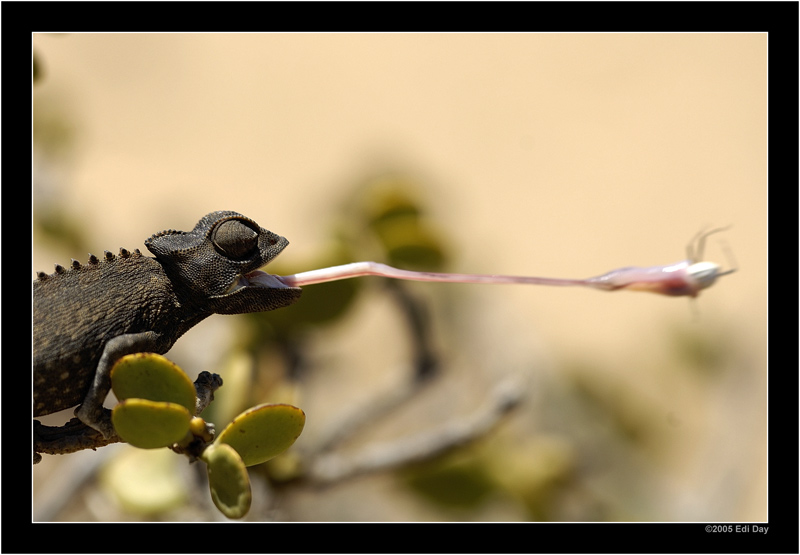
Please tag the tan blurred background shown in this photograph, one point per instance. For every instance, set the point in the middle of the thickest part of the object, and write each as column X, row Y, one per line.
column 561, row 155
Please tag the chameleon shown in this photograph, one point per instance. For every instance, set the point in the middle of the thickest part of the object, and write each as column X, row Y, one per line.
column 88, row 316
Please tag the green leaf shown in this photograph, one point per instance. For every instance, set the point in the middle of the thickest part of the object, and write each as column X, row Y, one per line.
column 388, row 197
column 410, row 243
column 228, row 480
column 263, row 432
column 150, row 424
column 151, row 376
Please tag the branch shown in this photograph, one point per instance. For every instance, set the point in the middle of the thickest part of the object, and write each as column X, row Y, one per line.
column 331, row 468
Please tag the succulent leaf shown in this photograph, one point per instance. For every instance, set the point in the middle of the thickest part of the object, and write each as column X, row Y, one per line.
column 154, row 377
column 150, row 424
column 228, row 480
column 263, row 432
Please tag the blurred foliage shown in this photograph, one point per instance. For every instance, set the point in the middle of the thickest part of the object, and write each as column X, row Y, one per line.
column 531, row 475
column 383, row 220
column 392, row 210
column 54, row 141
column 704, row 353
column 36, row 71
column 596, row 451
column 457, row 481
column 147, row 483
column 614, row 404
column 537, row 472
column 53, row 226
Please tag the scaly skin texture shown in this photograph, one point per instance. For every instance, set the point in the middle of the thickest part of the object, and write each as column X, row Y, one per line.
column 87, row 316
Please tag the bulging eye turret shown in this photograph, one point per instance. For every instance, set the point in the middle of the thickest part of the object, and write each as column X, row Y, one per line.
column 235, row 239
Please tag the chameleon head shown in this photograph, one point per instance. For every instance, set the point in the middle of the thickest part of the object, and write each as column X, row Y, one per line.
column 218, row 261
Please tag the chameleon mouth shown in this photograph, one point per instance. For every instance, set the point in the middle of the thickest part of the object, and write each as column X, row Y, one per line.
column 258, row 278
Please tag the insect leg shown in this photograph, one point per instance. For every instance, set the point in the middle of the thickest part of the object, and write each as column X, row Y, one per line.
column 696, row 254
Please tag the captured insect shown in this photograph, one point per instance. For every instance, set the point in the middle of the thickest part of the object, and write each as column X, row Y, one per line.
column 685, row 278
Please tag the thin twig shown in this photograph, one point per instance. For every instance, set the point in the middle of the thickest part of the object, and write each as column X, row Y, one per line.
column 376, row 457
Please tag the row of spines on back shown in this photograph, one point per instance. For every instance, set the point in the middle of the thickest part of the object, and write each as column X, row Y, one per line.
column 93, row 261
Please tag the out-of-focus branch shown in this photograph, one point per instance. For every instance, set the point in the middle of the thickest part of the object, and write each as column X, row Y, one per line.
column 328, row 468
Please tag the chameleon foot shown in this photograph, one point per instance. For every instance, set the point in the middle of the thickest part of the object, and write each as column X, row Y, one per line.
column 98, row 419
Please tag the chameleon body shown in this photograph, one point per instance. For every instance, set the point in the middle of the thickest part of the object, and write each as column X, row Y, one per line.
column 87, row 316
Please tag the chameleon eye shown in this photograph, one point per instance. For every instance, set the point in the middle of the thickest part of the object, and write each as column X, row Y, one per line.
column 235, row 239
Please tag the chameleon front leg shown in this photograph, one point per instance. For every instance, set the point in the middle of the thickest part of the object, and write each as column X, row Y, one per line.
column 91, row 410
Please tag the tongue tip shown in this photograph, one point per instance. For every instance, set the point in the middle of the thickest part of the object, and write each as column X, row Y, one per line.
column 263, row 279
